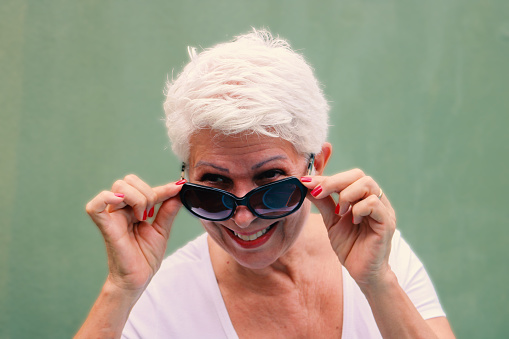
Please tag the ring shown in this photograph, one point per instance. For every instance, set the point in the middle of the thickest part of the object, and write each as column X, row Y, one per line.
column 381, row 194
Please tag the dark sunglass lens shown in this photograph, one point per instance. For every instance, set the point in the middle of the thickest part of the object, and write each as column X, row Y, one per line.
column 228, row 202
column 208, row 204
column 276, row 200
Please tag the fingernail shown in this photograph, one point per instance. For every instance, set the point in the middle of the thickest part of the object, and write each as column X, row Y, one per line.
column 151, row 212
column 306, row 179
column 120, row 195
column 316, row 191
column 353, row 219
column 337, row 209
column 180, row 182
column 145, row 215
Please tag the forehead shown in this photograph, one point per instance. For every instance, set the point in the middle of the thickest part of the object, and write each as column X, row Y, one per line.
column 245, row 149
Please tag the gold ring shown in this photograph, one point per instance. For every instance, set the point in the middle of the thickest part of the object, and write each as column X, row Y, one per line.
column 381, row 194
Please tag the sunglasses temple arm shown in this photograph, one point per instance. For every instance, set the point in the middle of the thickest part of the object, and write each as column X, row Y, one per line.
column 311, row 163
column 183, row 171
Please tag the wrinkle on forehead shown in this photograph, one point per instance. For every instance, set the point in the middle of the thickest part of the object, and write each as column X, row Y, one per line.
column 254, row 167
column 241, row 140
column 213, row 140
column 209, row 148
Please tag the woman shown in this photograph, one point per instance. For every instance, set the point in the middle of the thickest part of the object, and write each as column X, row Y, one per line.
column 249, row 121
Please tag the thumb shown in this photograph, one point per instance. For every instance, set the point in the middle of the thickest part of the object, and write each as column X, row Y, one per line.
column 166, row 215
column 327, row 207
column 169, row 196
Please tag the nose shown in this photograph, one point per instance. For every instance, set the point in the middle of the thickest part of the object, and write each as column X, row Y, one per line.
column 243, row 217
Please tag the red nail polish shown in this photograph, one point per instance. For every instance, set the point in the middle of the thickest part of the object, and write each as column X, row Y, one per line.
column 120, row 195
column 337, row 209
column 306, row 179
column 151, row 212
column 145, row 215
column 181, row 182
column 316, row 191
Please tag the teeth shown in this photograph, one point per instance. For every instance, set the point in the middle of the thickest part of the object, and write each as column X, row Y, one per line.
column 253, row 236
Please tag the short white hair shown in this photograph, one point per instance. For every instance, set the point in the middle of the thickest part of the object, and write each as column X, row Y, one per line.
column 253, row 84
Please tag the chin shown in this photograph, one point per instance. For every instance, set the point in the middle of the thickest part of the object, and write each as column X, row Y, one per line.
column 264, row 251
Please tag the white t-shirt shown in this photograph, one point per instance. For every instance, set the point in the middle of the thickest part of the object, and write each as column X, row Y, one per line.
column 183, row 299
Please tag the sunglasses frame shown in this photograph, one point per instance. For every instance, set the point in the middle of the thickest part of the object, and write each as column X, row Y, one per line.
column 244, row 201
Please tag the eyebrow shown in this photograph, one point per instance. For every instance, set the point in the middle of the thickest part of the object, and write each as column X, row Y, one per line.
column 226, row 170
column 204, row 163
column 260, row 164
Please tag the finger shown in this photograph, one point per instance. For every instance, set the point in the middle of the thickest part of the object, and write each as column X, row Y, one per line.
column 170, row 207
column 166, row 215
column 373, row 208
column 385, row 200
column 358, row 190
column 132, row 197
column 144, row 189
column 168, row 191
column 96, row 208
column 324, row 186
column 326, row 206
column 116, row 207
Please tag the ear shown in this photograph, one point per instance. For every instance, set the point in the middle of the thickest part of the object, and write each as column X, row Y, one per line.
column 322, row 158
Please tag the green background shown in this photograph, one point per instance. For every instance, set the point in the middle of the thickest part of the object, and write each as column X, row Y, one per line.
column 419, row 96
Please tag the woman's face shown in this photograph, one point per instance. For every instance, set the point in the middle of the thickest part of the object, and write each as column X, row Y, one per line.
column 238, row 164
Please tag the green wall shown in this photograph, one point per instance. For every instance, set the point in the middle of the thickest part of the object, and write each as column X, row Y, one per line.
column 420, row 99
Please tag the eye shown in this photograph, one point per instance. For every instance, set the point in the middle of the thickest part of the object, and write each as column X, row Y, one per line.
column 271, row 174
column 215, row 179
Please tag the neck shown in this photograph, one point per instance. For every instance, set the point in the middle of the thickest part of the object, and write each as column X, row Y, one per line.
column 291, row 268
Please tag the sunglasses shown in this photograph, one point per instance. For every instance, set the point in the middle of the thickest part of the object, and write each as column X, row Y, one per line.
column 275, row 200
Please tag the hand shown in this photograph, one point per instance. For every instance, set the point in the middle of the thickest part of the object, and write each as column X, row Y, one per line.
column 135, row 247
column 360, row 225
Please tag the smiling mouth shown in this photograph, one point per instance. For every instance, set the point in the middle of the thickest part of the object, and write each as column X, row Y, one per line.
column 255, row 236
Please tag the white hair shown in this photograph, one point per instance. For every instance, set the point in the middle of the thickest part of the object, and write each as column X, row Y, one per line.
column 253, row 84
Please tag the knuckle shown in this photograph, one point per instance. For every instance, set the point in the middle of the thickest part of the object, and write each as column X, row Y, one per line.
column 152, row 198
column 368, row 179
column 325, row 182
column 358, row 172
column 367, row 184
column 372, row 201
column 117, row 184
column 356, row 208
column 89, row 208
column 130, row 178
column 142, row 202
column 343, row 196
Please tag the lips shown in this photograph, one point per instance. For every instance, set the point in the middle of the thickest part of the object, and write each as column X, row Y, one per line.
column 253, row 236
column 253, row 240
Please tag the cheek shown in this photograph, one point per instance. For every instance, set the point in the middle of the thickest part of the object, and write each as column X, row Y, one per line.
column 295, row 222
column 215, row 232
column 211, row 228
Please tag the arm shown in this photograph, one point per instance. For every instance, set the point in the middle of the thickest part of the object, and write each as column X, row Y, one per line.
column 109, row 313
column 135, row 248
column 360, row 227
column 396, row 315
